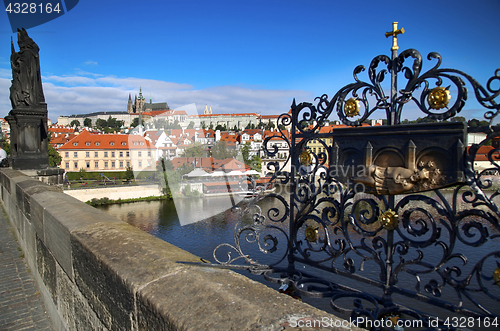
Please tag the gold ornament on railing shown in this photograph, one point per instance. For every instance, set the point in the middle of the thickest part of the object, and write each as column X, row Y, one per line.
column 311, row 234
column 389, row 220
column 305, row 158
column 496, row 276
column 351, row 107
column 438, row 97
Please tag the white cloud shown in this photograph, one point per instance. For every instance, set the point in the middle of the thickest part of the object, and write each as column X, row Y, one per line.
column 87, row 92
column 90, row 63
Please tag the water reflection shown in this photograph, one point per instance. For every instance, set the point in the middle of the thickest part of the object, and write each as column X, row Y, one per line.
column 160, row 218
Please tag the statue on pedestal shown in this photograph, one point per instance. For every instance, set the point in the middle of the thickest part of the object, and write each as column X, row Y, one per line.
column 28, row 117
column 26, row 89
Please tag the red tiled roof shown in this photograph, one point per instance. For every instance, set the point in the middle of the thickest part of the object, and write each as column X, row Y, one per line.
column 87, row 140
column 61, row 130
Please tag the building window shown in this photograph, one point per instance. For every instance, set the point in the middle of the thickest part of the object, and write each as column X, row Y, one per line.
column 96, row 154
column 105, row 164
column 105, row 154
column 87, row 154
column 142, row 143
column 88, row 164
column 127, row 154
column 75, row 144
column 87, row 143
column 121, row 154
column 66, row 154
column 112, row 154
column 96, row 164
column 139, row 154
column 75, row 164
column 140, row 164
column 67, row 165
column 112, row 164
column 75, row 154
column 124, row 143
column 149, row 153
column 112, row 143
column 97, row 143
column 121, row 164
column 128, row 164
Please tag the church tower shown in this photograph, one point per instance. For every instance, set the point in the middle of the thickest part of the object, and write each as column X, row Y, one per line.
column 130, row 110
column 207, row 111
column 139, row 102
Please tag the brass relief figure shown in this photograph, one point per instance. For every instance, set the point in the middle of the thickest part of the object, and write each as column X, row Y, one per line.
column 397, row 180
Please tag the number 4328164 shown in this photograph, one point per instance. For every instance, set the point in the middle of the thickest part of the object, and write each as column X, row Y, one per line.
column 32, row 8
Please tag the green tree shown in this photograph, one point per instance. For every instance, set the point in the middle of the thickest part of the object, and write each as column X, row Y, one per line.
column 270, row 126
column 82, row 173
column 129, row 174
column 135, row 122
column 168, row 165
column 473, row 122
column 54, row 157
column 255, row 163
column 87, row 122
column 245, row 152
column 220, row 151
column 101, row 124
column 6, row 147
column 458, row 119
column 75, row 123
column 195, row 151
column 191, row 125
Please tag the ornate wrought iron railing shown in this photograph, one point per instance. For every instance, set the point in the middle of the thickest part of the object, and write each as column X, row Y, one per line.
column 402, row 208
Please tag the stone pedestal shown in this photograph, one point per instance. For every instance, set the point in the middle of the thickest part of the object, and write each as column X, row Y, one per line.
column 29, row 138
column 50, row 176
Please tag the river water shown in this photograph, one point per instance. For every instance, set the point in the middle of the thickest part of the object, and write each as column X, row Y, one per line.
column 210, row 229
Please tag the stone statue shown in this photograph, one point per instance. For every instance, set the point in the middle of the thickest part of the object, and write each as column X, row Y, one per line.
column 26, row 89
column 28, row 117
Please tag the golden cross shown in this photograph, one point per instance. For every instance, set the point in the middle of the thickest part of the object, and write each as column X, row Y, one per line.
column 394, row 33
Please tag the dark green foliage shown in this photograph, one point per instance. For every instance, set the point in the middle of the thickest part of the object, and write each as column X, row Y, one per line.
column 221, row 152
column 54, row 157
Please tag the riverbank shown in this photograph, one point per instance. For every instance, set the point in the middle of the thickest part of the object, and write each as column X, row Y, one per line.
column 116, row 193
column 105, row 201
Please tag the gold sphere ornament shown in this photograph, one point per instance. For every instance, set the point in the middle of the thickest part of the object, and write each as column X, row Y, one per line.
column 311, row 234
column 351, row 107
column 438, row 97
column 305, row 158
column 389, row 220
column 496, row 276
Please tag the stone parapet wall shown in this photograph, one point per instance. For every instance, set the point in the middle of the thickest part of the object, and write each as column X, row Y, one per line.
column 96, row 272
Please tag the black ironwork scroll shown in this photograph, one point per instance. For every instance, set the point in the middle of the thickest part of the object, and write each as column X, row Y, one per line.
column 402, row 209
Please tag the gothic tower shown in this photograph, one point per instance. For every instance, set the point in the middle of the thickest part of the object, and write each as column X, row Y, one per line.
column 130, row 110
column 139, row 102
column 207, row 111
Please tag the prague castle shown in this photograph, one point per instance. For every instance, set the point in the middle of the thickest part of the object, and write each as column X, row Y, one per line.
column 140, row 105
column 148, row 110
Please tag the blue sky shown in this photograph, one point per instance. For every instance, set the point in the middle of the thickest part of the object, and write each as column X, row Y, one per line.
column 242, row 55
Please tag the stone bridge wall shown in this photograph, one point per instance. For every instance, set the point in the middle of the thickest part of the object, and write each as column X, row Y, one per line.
column 95, row 272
